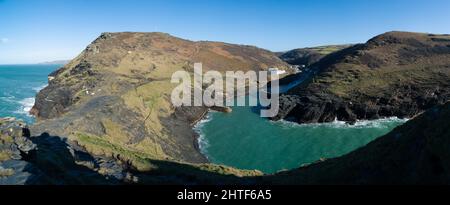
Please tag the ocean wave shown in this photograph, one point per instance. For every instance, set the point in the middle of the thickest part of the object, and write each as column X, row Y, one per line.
column 202, row 141
column 39, row 88
column 8, row 99
column 25, row 106
column 378, row 123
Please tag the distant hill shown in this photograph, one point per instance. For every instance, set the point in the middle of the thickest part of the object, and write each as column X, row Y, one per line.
column 57, row 62
column 308, row 56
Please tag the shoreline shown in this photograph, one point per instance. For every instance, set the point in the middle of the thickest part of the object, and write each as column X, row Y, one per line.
column 197, row 135
column 200, row 139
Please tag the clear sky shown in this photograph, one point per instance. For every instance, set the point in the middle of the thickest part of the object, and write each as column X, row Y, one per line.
column 44, row 30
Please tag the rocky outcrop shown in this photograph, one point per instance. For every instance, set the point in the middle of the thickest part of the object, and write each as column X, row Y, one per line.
column 395, row 74
column 46, row 159
column 14, row 144
column 14, row 139
column 221, row 109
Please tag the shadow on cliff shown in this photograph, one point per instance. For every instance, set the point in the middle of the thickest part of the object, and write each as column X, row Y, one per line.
column 53, row 163
column 173, row 173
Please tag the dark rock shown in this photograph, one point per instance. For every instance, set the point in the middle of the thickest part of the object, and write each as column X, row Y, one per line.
column 221, row 109
column 14, row 172
column 48, row 159
column 52, row 101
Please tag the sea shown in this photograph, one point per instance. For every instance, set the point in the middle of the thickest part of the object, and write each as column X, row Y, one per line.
column 244, row 140
column 19, row 85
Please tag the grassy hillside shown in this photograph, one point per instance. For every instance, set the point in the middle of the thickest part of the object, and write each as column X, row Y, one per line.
column 394, row 74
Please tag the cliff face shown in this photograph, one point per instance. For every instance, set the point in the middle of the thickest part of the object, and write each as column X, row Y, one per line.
column 395, row 74
column 114, row 98
column 139, row 58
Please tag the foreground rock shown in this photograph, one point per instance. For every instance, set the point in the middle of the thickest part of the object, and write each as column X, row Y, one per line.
column 395, row 74
column 13, row 145
column 47, row 159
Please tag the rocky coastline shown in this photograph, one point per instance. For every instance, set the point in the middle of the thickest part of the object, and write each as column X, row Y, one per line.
column 395, row 74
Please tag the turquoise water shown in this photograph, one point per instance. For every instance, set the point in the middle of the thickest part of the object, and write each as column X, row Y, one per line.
column 244, row 140
column 19, row 85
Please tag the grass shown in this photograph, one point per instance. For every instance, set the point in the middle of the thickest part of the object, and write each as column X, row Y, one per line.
column 153, row 100
column 115, row 132
column 325, row 50
column 6, row 139
column 6, row 172
column 100, row 146
column 144, row 162
column 350, row 79
column 224, row 170
column 4, row 155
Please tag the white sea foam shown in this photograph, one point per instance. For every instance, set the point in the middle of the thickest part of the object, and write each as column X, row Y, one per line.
column 25, row 106
column 379, row 123
column 8, row 99
column 203, row 143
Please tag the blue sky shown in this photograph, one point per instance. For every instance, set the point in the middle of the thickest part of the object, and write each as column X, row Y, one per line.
column 43, row 30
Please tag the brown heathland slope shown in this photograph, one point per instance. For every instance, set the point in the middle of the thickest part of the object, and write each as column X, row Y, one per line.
column 394, row 74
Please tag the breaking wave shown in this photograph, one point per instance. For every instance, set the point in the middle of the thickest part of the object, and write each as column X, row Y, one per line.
column 25, row 106
column 201, row 140
column 39, row 88
column 378, row 123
